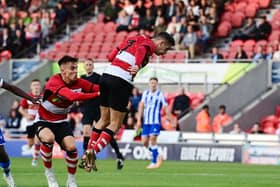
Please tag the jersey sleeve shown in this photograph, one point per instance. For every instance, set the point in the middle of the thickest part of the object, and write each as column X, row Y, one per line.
column 24, row 104
column 88, row 87
column 72, row 96
column 143, row 98
column 163, row 100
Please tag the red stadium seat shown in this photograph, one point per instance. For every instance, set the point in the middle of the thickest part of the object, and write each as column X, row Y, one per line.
column 223, row 29
column 240, row 7
column 249, row 43
column 102, row 56
column 227, row 16
column 264, row 3
column 229, row 7
column 110, row 27
column 274, row 36
column 250, row 11
column 237, row 19
column 262, row 43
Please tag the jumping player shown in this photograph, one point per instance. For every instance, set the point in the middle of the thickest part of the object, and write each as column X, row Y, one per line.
column 91, row 114
column 4, row 158
column 29, row 111
column 60, row 92
column 116, row 86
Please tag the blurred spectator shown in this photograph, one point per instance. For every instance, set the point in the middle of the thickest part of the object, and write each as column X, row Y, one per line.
column 276, row 55
column 123, row 21
column 111, row 11
column 263, row 29
column 206, row 30
column 135, row 99
column 46, row 23
column 216, row 56
column 147, row 23
column 181, row 103
column 236, row 129
column 32, row 33
column 134, row 22
column 170, row 10
column 13, row 120
column 140, row 8
column 221, row 120
column 128, row 7
column 203, row 120
column 161, row 26
column 181, row 10
column 247, row 32
column 240, row 53
column 189, row 41
column 259, row 55
column 5, row 40
column 256, row 129
column 60, row 14
column 270, row 53
column 3, row 122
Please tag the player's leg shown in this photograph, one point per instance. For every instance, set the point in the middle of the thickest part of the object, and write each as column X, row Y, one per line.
column 36, row 152
column 156, row 159
column 71, row 160
column 145, row 139
column 102, row 123
column 31, row 135
column 5, row 162
column 5, row 165
column 30, row 140
column 116, row 119
column 47, row 138
column 104, row 119
column 120, row 158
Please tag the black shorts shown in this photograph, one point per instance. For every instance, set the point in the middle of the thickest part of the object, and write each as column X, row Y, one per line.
column 31, row 131
column 114, row 92
column 60, row 130
column 90, row 115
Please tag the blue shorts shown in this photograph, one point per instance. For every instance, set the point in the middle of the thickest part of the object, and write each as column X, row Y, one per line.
column 2, row 140
column 150, row 129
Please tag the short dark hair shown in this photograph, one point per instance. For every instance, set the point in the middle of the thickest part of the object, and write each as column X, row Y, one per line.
column 154, row 78
column 35, row 80
column 205, row 107
column 167, row 37
column 222, row 107
column 66, row 59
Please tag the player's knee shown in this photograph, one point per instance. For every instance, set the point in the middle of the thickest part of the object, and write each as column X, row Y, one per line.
column 70, row 148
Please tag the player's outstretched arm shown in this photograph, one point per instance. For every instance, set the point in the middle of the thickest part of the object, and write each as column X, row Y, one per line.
column 76, row 96
column 19, row 92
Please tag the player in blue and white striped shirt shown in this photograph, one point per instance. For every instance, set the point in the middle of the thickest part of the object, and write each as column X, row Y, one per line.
column 149, row 108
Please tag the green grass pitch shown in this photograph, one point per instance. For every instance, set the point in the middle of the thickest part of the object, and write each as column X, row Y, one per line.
column 134, row 174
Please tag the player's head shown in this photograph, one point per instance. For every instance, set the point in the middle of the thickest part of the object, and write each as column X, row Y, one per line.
column 35, row 87
column 68, row 68
column 153, row 84
column 88, row 66
column 163, row 42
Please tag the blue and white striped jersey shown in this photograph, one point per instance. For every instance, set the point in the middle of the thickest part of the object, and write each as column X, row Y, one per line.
column 153, row 102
